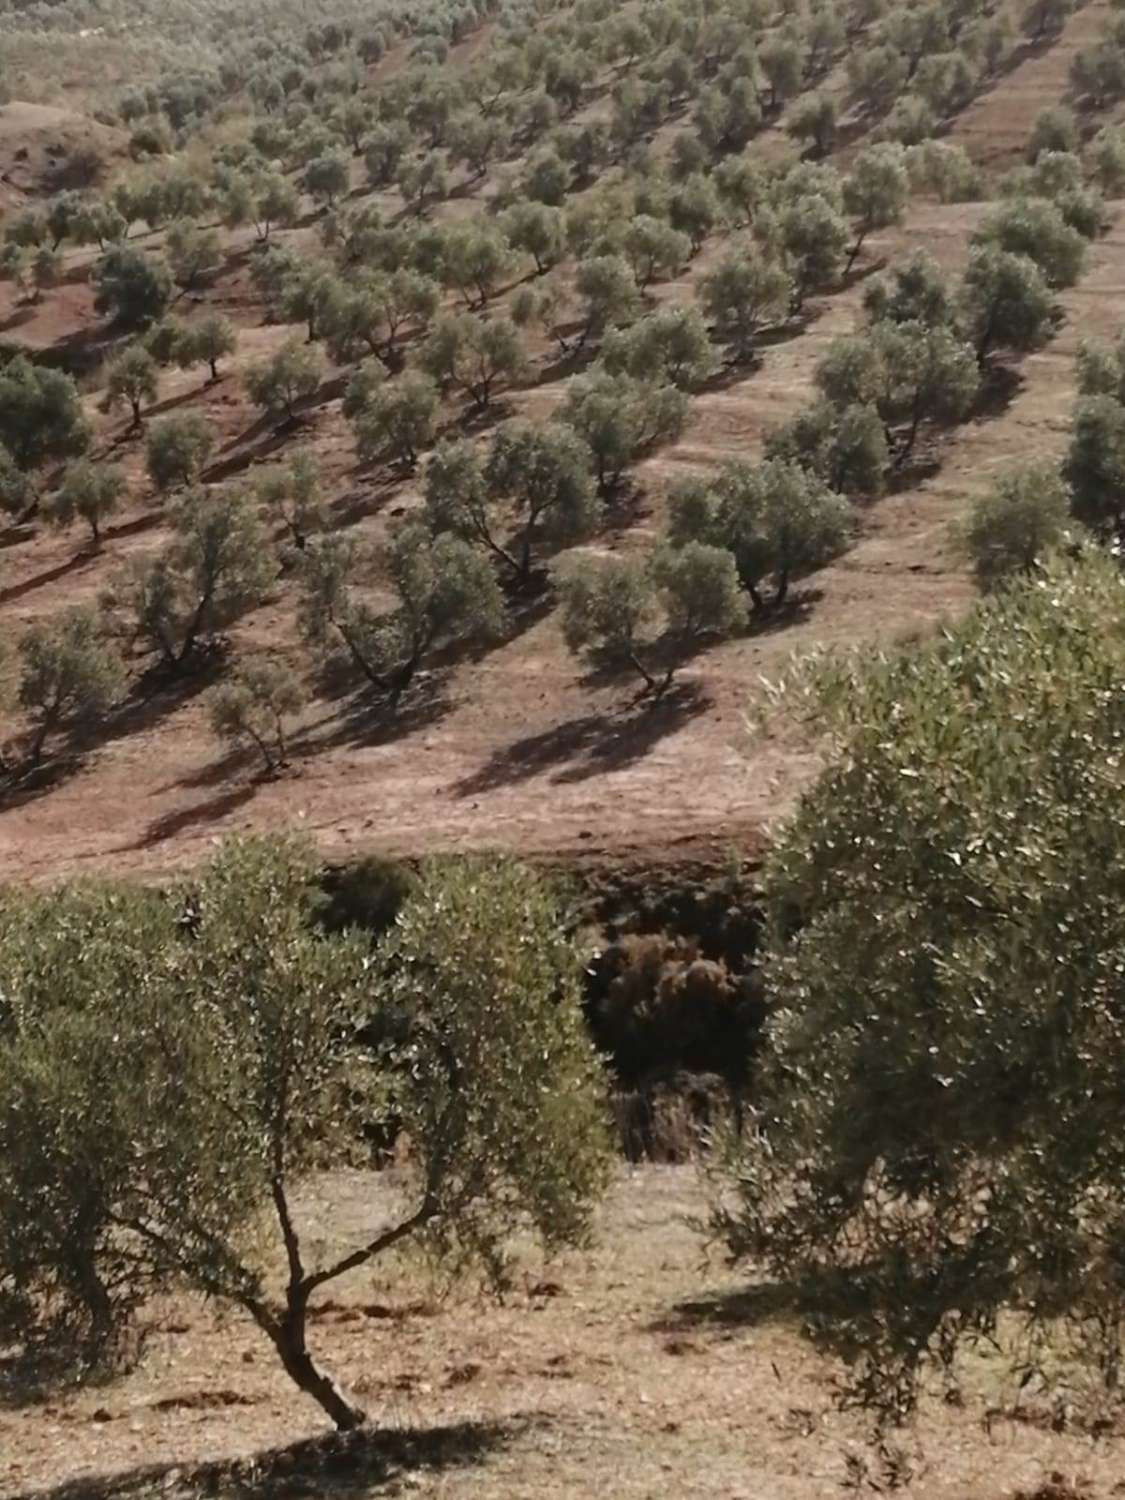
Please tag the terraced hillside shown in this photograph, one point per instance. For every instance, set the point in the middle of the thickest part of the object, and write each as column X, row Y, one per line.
column 517, row 745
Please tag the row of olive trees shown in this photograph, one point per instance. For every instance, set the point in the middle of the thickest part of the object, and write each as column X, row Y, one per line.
column 175, row 1066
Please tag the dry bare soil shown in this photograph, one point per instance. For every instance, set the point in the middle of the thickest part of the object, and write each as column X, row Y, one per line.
column 642, row 1370
column 518, row 750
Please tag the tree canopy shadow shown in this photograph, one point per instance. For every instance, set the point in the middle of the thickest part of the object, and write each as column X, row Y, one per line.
column 342, row 1465
column 50, row 575
column 589, row 745
column 210, row 808
column 748, row 1307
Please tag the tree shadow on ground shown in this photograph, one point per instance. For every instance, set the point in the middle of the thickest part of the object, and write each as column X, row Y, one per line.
column 1000, row 385
column 207, row 811
column 749, row 1307
column 339, row 1464
column 591, row 744
column 51, row 575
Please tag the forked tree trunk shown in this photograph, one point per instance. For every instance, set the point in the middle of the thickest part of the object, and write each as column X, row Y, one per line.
column 302, row 1369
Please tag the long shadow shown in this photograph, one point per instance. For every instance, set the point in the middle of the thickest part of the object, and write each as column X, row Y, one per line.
column 590, row 745
column 174, row 823
column 343, row 1465
column 52, row 575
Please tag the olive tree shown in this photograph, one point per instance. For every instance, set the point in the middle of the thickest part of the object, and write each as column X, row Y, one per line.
column 16, row 492
column 281, row 383
column 631, row 612
column 253, row 707
column 620, row 419
column 814, row 237
column 608, row 292
column 90, row 492
column 132, row 377
column 537, row 230
column 292, row 491
column 41, row 416
column 670, row 345
column 177, row 450
column 537, row 477
column 1005, row 301
column 1036, row 228
column 653, row 249
column 70, row 674
column 396, row 417
column 779, row 522
column 215, row 568
column 1015, row 524
column 931, row 1158
column 445, row 588
column 1094, row 466
column 876, row 192
column 475, row 354
column 327, row 178
column 215, row 1038
column 133, row 288
column 744, row 292
column 206, row 342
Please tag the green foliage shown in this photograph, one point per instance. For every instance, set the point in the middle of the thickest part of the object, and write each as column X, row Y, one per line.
column 397, row 417
column 915, row 291
column 133, row 378
column 90, row 492
column 1043, row 18
column 814, row 237
column 69, row 674
column 536, row 230
column 259, row 1082
column 933, row 1158
column 215, row 568
column 133, row 288
column 446, row 591
column 744, row 292
column 670, row 345
column 1107, row 160
column 177, row 450
column 813, row 120
column 287, row 378
column 41, row 415
column 945, row 170
column 621, row 418
column 779, row 522
column 1016, row 523
column 654, row 250
column 253, row 708
column 608, row 291
column 1055, row 129
column 1005, row 301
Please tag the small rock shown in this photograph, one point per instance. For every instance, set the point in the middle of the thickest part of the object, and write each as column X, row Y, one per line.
column 101, row 1415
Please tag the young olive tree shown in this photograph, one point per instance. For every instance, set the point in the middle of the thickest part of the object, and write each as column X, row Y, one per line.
column 876, row 192
column 206, row 342
column 70, row 674
column 253, row 707
column 90, row 492
column 177, row 450
column 931, row 1156
column 132, row 378
column 1015, row 524
column 214, row 1038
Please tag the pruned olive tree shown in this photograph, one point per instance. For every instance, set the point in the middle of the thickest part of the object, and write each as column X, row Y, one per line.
column 253, row 707
column 620, row 419
column 166, row 1097
column 90, row 492
column 1015, row 524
